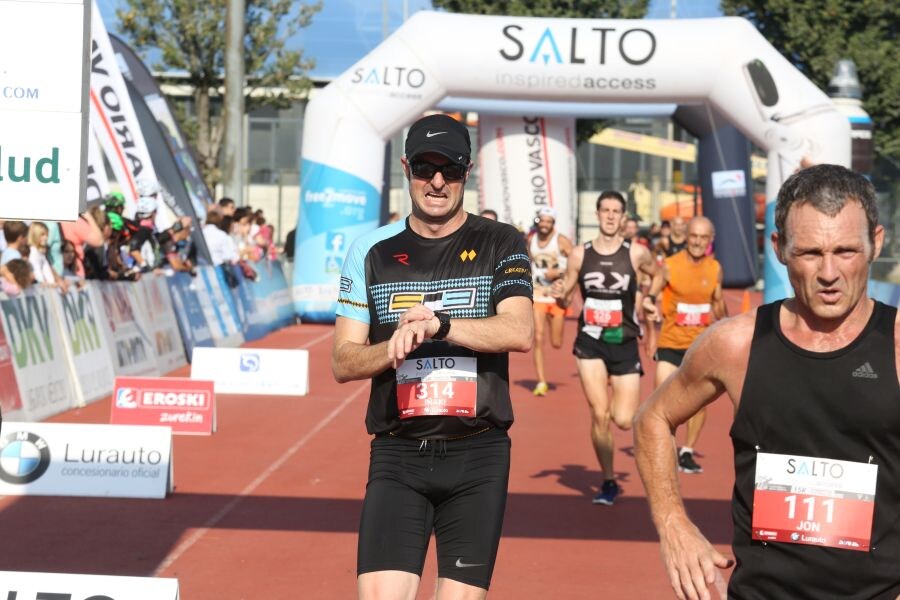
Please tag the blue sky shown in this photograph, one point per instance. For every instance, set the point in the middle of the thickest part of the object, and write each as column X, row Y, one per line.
column 345, row 30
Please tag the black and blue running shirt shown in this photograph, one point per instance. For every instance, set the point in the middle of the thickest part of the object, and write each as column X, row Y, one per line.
column 466, row 275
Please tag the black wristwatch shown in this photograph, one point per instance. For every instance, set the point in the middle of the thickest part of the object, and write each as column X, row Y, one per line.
column 444, row 327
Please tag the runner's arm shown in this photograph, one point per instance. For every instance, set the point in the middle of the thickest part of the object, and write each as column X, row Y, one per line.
column 564, row 289
column 647, row 264
column 352, row 357
column 718, row 300
column 689, row 558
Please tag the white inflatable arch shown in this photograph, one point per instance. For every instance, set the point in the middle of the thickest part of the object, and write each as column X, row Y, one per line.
column 722, row 62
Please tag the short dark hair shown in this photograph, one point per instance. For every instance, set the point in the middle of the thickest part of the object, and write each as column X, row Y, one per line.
column 223, row 202
column 490, row 211
column 13, row 230
column 827, row 188
column 21, row 271
column 611, row 195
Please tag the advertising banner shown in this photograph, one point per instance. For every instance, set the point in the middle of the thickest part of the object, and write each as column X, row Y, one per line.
column 44, row 51
column 271, row 294
column 65, row 586
column 526, row 164
column 113, row 119
column 224, row 324
column 38, row 354
column 97, row 181
column 10, row 400
column 87, row 349
column 133, row 350
column 255, row 324
column 186, row 405
column 253, row 370
column 195, row 331
column 157, row 317
column 136, row 72
column 75, row 459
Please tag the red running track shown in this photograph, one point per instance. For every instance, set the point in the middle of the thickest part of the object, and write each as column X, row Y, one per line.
column 268, row 507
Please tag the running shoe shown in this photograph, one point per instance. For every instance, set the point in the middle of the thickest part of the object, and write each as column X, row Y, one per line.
column 608, row 493
column 687, row 464
column 541, row 388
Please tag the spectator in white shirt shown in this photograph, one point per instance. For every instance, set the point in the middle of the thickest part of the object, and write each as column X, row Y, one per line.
column 37, row 256
column 221, row 246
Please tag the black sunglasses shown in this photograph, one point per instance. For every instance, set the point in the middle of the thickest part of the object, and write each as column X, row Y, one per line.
column 426, row 170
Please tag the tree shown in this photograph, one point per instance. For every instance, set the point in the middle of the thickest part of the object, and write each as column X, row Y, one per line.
column 814, row 34
column 576, row 9
column 190, row 36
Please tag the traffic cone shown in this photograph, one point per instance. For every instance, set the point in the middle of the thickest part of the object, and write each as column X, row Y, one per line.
column 745, row 302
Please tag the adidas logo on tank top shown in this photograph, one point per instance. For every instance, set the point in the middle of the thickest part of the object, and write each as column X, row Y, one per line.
column 866, row 372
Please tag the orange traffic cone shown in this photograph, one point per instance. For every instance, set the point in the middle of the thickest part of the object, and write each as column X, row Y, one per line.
column 745, row 302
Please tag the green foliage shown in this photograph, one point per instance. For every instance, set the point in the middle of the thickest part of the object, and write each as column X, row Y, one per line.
column 814, row 34
column 190, row 36
column 577, row 9
column 572, row 9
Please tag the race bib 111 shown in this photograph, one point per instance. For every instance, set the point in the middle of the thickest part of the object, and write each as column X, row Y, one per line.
column 815, row 501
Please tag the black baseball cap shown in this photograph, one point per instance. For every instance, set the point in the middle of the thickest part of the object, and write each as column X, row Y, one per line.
column 442, row 134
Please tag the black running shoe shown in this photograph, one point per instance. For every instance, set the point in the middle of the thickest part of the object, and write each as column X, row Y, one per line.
column 687, row 464
column 608, row 493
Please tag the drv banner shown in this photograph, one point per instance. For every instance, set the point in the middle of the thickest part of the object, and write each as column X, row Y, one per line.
column 525, row 164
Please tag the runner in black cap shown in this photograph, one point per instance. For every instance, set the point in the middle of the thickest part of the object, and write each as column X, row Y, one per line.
column 428, row 309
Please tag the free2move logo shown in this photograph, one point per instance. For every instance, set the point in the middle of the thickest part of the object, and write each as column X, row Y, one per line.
column 24, row 457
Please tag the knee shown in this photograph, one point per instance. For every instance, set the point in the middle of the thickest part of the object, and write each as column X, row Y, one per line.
column 625, row 422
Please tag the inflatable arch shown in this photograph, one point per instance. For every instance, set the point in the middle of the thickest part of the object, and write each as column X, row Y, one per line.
column 724, row 63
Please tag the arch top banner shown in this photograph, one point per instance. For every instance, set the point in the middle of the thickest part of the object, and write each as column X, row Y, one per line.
column 723, row 62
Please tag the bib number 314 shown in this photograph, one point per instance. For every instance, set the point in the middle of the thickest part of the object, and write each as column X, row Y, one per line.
column 437, row 386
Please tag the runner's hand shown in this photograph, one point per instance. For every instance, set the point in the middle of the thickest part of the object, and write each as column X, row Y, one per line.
column 406, row 339
column 690, row 560
column 419, row 312
column 650, row 310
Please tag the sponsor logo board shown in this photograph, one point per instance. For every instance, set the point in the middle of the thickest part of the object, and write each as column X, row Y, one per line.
column 253, row 371
column 186, row 405
column 74, row 459
column 29, row 586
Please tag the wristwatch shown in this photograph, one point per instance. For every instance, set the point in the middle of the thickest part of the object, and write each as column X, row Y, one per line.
column 444, row 327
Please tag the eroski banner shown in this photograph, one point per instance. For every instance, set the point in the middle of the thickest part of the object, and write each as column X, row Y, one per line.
column 113, row 119
column 65, row 586
column 528, row 58
column 43, row 108
column 75, row 459
column 526, row 164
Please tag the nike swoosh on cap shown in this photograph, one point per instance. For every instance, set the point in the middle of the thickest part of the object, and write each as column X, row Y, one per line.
column 428, row 134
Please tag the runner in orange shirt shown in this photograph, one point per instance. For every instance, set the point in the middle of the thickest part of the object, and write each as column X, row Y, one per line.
column 691, row 300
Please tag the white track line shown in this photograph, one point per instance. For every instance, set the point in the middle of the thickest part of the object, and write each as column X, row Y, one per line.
column 251, row 487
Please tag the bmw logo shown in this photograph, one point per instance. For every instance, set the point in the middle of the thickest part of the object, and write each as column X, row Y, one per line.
column 24, row 457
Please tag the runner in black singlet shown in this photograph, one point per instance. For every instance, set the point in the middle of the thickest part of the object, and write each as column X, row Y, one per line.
column 815, row 383
column 606, row 348
column 428, row 310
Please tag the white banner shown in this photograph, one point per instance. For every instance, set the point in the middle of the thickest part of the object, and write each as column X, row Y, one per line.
column 43, row 108
column 65, row 586
column 253, row 370
column 113, row 119
column 74, row 459
column 157, row 317
column 133, row 351
column 87, row 349
column 97, row 181
column 38, row 354
column 525, row 164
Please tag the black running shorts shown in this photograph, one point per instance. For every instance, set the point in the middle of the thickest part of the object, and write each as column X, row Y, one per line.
column 620, row 359
column 670, row 355
column 456, row 488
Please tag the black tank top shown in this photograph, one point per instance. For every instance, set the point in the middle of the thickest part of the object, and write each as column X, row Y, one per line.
column 675, row 248
column 842, row 405
column 610, row 277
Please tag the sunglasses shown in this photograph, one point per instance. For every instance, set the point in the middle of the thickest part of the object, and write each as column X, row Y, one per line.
column 450, row 171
